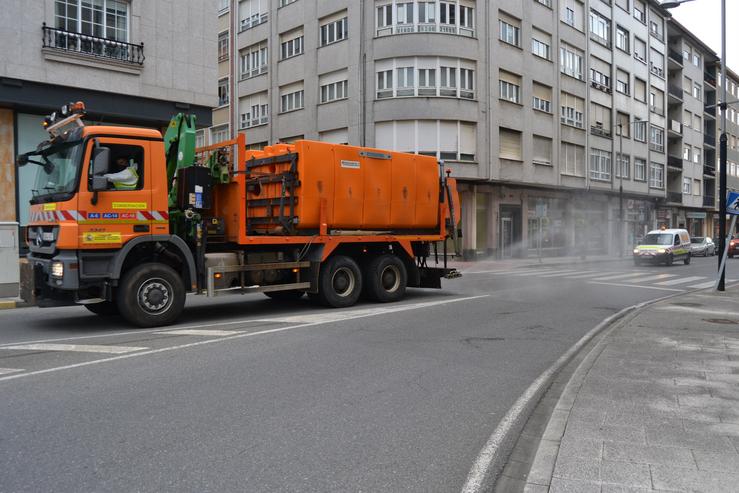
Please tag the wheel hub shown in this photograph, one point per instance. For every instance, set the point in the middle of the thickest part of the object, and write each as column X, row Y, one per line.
column 343, row 282
column 390, row 279
column 154, row 295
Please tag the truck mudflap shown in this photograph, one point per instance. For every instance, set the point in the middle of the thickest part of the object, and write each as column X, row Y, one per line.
column 431, row 276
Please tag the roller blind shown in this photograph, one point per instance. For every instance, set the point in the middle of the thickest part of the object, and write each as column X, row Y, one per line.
column 337, row 76
column 405, row 136
column 448, row 141
column 384, row 135
column 336, row 136
column 542, row 92
column 427, row 136
column 467, row 138
column 542, row 149
column 510, row 144
column 509, row 77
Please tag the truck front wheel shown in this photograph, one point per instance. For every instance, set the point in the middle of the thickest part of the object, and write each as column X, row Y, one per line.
column 340, row 282
column 386, row 278
column 151, row 295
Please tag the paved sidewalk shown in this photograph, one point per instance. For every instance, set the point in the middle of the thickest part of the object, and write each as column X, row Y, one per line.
column 653, row 407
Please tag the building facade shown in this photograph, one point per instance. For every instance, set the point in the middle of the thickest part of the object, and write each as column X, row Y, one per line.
column 132, row 62
column 732, row 132
column 553, row 114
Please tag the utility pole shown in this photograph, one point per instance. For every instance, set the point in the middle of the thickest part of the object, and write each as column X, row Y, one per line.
column 722, row 154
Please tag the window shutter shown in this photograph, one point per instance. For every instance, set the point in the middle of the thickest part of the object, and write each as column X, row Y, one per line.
column 384, row 135
column 510, row 144
column 542, row 149
column 337, row 136
column 542, row 92
column 467, row 138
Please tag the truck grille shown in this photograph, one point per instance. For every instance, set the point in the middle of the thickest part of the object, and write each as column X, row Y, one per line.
column 42, row 239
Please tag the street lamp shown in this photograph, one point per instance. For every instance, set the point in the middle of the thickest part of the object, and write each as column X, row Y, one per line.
column 722, row 142
column 621, row 183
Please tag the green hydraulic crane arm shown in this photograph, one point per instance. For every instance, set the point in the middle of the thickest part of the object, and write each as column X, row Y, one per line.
column 179, row 148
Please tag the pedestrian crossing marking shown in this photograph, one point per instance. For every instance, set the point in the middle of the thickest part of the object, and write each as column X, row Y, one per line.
column 79, row 348
column 703, row 285
column 585, row 276
column 562, row 273
column 619, row 276
column 681, row 280
column 197, row 332
column 651, row 277
column 536, row 272
column 6, row 371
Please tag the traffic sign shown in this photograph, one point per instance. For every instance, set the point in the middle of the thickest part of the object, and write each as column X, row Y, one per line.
column 732, row 203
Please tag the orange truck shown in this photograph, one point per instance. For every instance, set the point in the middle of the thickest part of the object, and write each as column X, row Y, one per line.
column 128, row 221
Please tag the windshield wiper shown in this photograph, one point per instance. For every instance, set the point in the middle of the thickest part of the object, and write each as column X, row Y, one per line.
column 24, row 159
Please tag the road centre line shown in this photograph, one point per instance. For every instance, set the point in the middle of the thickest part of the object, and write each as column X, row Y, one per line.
column 196, row 332
column 5, row 371
column 621, row 285
column 682, row 280
column 236, row 336
column 76, row 348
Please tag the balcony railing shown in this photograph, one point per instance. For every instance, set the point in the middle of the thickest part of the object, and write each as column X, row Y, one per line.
column 675, row 91
column 709, row 201
column 709, row 139
column 676, row 127
column 710, row 78
column 676, row 56
column 425, row 27
column 675, row 197
column 709, row 170
column 93, row 46
column 674, row 162
column 710, row 111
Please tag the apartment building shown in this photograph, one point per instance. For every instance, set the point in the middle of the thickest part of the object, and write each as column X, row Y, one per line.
column 692, row 137
column 552, row 113
column 132, row 62
column 732, row 132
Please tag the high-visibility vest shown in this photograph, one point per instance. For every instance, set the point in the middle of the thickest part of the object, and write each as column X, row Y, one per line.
column 119, row 185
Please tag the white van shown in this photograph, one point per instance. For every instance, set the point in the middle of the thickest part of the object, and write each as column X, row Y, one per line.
column 663, row 245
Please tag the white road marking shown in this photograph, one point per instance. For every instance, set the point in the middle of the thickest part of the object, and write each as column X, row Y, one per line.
column 563, row 274
column 78, row 348
column 196, row 332
column 217, row 340
column 621, row 285
column 692, row 309
column 585, row 276
column 650, row 277
column 5, row 371
column 619, row 276
column 536, row 272
column 682, row 280
column 703, row 285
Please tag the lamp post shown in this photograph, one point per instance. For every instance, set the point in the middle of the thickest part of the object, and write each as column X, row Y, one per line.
column 722, row 142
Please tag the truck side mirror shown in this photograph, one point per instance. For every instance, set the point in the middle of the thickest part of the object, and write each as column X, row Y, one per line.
column 100, row 166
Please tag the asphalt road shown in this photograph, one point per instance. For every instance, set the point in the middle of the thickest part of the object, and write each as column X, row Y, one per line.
column 248, row 394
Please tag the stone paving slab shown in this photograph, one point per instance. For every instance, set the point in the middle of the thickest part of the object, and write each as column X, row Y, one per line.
column 653, row 407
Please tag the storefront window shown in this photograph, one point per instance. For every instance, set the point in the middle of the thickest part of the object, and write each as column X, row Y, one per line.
column 547, row 226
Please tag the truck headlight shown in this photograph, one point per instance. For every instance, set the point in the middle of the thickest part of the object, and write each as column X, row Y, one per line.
column 661, row 250
column 57, row 269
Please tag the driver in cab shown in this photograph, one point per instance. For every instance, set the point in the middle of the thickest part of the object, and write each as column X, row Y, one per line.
column 126, row 177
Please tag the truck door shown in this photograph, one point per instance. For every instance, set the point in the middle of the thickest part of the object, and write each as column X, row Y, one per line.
column 123, row 210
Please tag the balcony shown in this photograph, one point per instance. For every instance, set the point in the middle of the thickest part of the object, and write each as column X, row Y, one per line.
column 675, row 163
column 657, row 70
column 675, row 127
column 675, row 197
column 252, row 21
column 711, row 112
column 425, row 27
column 709, row 140
column 92, row 46
column 709, row 201
column 675, row 92
column 709, row 171
column 675, row 57
column 709, row 78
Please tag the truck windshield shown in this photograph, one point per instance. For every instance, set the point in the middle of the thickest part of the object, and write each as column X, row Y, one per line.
column 658, row 239
column 56, row 179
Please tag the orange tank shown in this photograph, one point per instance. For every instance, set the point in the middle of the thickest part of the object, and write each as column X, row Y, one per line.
column 362, row 189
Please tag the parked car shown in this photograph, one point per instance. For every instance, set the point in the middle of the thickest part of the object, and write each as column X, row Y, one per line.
column 703, row 246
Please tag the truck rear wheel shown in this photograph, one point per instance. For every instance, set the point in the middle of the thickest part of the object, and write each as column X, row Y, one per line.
column 151, row 295
column 340, row 282
column 104, row 308
column 386, row 279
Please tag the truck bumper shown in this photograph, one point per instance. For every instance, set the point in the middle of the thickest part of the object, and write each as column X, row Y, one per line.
column 52, row 290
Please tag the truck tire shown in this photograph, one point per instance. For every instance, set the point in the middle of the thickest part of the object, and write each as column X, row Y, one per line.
column 104, row 308
column 289, row 295
column 340, row 282
column 151, row 295
column 386, row 279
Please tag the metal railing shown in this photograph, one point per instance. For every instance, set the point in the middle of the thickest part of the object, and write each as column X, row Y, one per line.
column 709, row 170
column 709, row 140
column 425, row 27
column 675, row 91
column 676, row 56
column 94, row 46
column 675, row 197
column 710, row 78
column 709, row 201
column 674, row 162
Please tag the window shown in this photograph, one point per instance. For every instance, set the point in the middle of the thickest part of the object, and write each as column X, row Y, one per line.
column 623, row 125
column 510, row 30
column 337, row 136
column 622, row 39
column 542, row 150
column 572, row 159
column 687, row 183
column 444, row 139
column 696, row 60
column 600, row 120
column 134, row 161
column 697, row 187
column 405, row 81
column 467, row 83
column 655, row 29
column 334, row 30
column 640, row 90
column 697, row 155
column 623, row 4
column 384, row 18
column 640, row 169
column 623, row 166
column 254, row 60
column 687, row 152
column 101, row 18
column 687, row 118
column 542, row 98
column 385, row 84
column 687, row 84
column 570, row 60
column 466, row 20
column 697, row 123
column 223, row 6
column 640, row 50
column 572, row 109
column 254, row 110
column 640, row 11
column 572, row 13
column 334, row 86
column 291, row 44
column 291, row 98
column 510, row 144
column 223, row 46
column 546, row 3
column 600, row 28
column 541, row 44
column 223, row 91
column 200, row 138
column 656, row 175
column 426, row 13
column 404, row 13
column 697, row 92
column 600, row 77
column 510, row 87
column 657, row 63
column 640, row 130
column 656, row 139
column 219, row 134
column 657, row 101
column 622, row 82
column 286, row 2
column 252, row 13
